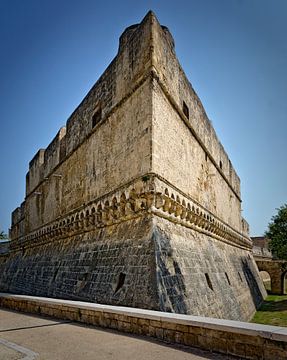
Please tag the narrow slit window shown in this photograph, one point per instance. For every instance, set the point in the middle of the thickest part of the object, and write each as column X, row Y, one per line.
column 121, row 281
column 227, row 278
column 220, row 164
column 185, row 109
column 209, row 283
column 96, row 117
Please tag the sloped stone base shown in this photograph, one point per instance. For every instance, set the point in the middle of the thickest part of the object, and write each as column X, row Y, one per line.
column 146, row 262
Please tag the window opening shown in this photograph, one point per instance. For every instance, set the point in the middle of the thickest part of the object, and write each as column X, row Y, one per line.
column 185, row 110
column 227, row 278
column 121, row 282
column 96, row 117
column 208, row 281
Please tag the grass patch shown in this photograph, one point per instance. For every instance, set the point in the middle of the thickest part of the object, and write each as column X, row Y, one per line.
column 273, row 311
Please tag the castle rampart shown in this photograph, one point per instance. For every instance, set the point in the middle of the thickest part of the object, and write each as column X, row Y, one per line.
column 136, row 196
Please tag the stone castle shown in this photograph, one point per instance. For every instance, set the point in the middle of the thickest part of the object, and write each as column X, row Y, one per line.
column 135, row 202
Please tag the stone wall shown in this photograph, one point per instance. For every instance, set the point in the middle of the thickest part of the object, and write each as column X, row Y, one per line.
column 70, row 171
column 199, row 276
column 145, row 238
column 109, row 265
column 107, row 159
column 277, row 270
column 259, row 251
column 172, row 78
column 260, row 241
column 186, row 148
column 18, row 222
column 180, row 158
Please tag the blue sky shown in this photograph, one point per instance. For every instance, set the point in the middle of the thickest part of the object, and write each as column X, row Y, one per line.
column 234, row 52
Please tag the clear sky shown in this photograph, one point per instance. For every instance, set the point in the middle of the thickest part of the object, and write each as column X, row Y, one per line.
column 234, row 52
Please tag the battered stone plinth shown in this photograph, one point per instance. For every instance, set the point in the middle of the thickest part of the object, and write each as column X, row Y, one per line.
column 135, row 202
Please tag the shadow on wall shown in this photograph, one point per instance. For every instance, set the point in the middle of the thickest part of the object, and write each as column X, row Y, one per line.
column 171, row 287
column 248, row 271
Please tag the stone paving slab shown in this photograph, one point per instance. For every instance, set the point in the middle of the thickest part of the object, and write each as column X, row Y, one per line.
column 6, row 353
column 62, row 340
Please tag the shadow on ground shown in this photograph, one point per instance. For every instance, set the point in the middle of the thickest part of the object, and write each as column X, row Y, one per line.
column 274, row 306
column 273, row 311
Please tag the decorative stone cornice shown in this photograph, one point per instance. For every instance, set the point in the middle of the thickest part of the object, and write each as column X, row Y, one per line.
column 146, row 195
column 172, row 204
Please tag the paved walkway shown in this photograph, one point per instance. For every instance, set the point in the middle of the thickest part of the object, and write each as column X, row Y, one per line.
column 31, row 337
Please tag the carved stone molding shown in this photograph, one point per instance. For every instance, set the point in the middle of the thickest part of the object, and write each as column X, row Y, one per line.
column 175, row 206
column 149, row 194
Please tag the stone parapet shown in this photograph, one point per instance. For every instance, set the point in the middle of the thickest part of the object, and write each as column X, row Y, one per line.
column 245, row 340
column 261, row 252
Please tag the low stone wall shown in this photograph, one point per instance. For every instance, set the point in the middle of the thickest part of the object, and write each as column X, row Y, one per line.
column 261, row 252
column 245, row 340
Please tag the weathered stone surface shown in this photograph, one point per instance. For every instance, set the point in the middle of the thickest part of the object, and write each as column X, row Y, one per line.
column 184, row 257
column 135, row 201
column 81, row 268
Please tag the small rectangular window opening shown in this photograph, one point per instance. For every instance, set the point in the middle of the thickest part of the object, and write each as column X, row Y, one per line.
column 220, row 164
column 208, row 281
column 227, row 278
column 121, row 281
column 96, row 117
column 185, row 109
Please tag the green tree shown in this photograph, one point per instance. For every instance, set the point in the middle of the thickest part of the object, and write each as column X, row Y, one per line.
column 277, row 233
column 3, row 236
